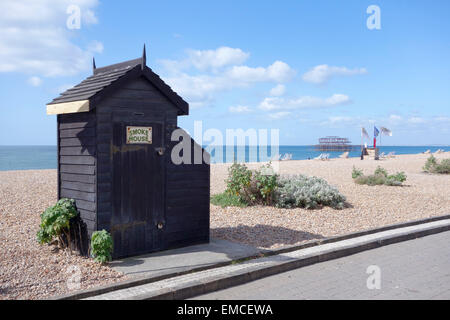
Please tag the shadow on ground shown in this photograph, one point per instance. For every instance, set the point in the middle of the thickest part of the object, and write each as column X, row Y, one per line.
column 187, row 258
column 263, row 236
column 226, row 245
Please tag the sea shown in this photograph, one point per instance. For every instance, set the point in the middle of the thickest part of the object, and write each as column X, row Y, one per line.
column 45, row 157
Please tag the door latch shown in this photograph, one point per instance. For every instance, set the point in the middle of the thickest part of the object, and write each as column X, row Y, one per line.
column 160, row 151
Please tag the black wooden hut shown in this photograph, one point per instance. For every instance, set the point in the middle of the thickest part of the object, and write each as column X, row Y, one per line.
column 127, row 186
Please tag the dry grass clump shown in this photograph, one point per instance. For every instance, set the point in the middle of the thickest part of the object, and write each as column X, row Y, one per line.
column 435, row 166
column 379, row 177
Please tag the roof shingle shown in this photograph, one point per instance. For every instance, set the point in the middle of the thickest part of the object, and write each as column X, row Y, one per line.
column 106, row 76
column 91, row 85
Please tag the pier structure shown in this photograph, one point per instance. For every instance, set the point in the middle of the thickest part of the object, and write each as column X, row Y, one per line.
column 334, row 143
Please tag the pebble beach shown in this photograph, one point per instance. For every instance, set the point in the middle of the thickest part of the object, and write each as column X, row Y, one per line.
column 423, row 195
column 32, row 271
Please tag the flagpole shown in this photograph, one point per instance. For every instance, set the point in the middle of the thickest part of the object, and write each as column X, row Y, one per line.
column 361, row 139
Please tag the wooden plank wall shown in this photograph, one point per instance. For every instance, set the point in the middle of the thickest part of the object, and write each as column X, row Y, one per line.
column 137, row 101
column 187, row 201
column 77, row 163
column 187, row 186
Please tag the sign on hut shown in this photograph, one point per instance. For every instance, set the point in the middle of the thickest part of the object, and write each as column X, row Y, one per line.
column 114, row 159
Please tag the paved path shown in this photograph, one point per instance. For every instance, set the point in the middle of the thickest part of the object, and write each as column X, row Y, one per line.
column 184, row 259
column 415, row 269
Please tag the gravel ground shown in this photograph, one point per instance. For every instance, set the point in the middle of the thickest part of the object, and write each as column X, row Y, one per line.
column 423, row 195
column 29, row 270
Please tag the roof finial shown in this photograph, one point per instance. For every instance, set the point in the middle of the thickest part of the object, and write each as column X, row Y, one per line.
column 93, row 65
column 144, row 58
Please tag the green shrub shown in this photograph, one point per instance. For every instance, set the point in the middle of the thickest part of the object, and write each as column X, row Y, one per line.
column 434, row 166
column 371, row 180
column 227, row 200
column 430, row 165
column 443, row 167
column 55, row 222
column 356, row 173
column 263, row 184
column 380, row 177
column 251, row 186
column 238, row 181
column 101, row 246
column 381, row 171
column 399, row 176
column 307, row 192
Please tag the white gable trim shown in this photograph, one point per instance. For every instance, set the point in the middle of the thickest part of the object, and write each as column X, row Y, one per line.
column 68, row 107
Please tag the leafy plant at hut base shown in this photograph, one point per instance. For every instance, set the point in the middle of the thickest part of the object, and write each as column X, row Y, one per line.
column 55, row 223
column 434, row 166
column 101, row 246
column 380, row 177
column 307, row 192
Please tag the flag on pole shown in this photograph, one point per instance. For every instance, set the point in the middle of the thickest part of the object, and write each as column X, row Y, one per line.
column 375, row 132
column 364, row 133
column 386, row 131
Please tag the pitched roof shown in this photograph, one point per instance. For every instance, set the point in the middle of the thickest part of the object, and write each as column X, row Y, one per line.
column 105, row 77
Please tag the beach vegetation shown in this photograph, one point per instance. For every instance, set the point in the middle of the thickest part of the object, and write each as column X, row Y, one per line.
column 252, row 186
column 101, row 246
column 55, row 223
column 307, row 192
column 227, row 199
column 379, row 177
column 381, row 171
column 264, row 187
column 433, row 165
column 356, row 173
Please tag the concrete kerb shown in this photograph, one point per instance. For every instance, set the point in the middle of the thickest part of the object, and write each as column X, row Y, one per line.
column 220, row 283
column 189, row 290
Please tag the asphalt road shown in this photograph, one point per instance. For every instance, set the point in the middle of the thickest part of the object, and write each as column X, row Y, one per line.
column 415, row 269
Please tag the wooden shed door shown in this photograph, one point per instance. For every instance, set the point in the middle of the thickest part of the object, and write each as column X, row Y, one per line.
column 138, row 184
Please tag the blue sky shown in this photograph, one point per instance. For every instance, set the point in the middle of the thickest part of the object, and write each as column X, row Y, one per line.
column 307, row 68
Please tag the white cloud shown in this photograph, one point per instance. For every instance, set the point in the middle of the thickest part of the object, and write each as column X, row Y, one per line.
column 340, row 119
column 304, row 102
column 395, row 117
column 416, row 120
column 278, row 90
column 205, row 60
column 217, row 71
column 323, row 73
column 95, row 46
column 213, row 59
column 35, row 81
column 279, row 115
column 442, row 119
column 34, row 38
column 276, row 72
column 198, row 90
column 239, row 109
